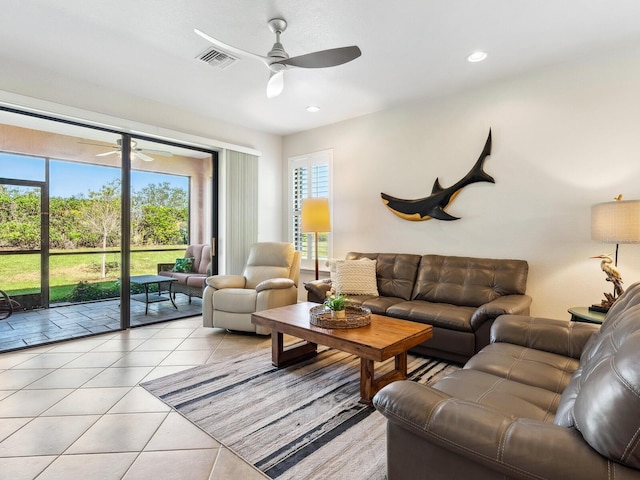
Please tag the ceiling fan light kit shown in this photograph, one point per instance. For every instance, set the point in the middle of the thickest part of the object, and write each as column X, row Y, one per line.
column 477, row 57
column 277, row 59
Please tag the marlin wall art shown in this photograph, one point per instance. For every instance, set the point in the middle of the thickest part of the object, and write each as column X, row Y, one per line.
column 433, row 206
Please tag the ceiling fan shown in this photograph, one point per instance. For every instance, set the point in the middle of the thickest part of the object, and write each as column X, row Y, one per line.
column 277, row 60
column 136, row 152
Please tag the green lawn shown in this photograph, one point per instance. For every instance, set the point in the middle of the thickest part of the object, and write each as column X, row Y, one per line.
column 21, row 273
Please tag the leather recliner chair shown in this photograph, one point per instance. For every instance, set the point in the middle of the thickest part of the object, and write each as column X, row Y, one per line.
column 269, row 280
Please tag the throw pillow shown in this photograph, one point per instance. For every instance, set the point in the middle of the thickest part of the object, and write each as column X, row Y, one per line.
column 356, row 277
column 183, row 265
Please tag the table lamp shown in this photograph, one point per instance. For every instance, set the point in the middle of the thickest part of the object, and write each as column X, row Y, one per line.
column 314, row 219
column 616, row 222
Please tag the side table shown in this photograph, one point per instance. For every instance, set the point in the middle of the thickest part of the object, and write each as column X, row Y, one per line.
column 583, row 314
column 146, row 297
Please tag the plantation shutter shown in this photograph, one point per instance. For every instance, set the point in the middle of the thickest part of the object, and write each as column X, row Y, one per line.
column 309, row 177
column 300, row 185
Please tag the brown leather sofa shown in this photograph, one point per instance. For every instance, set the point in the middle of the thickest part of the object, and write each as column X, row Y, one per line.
column 547, row 399
column 459, row 296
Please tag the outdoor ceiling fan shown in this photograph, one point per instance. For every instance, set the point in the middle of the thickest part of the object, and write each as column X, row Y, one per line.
column 277, row 60
column 141, row 153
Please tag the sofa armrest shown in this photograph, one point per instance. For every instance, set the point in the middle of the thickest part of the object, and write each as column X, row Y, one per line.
column 481, row 436
column 556, row 336
column 275, row 284
column 226, row 281
column 317, row 289
column 506, row 304
column 165, row 267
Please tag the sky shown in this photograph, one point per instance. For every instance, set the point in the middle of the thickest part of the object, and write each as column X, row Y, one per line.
column 69, row 179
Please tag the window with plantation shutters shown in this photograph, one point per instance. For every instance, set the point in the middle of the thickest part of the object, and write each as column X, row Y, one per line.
column 309, row 177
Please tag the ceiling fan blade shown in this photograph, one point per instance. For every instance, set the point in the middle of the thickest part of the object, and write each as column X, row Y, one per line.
column 230, row 49
column 105, row 145
column 323, row 58
column 163, row 153
column 107, row 153
column 275, row 85
column 142, row 156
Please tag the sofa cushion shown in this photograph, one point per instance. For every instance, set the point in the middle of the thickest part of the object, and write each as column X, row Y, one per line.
column 202, row 256
column 378, row 305
column 181, row 277
column 190, row 279
column 196, row 280
column 603, row 400
column 504, row 395
column 395, row 272
column 607, row 408
column 436, row 314
column 356, row 277
column 236, row 300
column 525, row 365
column 468, row 281
column 269, row 260
column 557, row 336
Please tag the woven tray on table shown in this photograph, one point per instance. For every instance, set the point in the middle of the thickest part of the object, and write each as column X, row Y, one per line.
column 355, row 317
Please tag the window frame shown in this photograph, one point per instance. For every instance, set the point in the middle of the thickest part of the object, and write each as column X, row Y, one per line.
column 309, row 160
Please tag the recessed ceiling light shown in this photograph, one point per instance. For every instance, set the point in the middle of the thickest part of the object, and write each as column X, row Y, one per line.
column 477, row 57
column 313, row 108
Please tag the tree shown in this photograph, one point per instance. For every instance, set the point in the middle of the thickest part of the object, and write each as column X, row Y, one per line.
column 159, row 214
column 65, row 228
column 20, row 217
column 162, row 225
column 161, row 195
column 101, row 215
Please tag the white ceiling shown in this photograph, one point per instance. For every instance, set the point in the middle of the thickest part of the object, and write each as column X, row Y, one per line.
column 411, row 49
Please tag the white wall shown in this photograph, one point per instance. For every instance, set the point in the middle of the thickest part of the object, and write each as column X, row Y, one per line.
column 563, row 139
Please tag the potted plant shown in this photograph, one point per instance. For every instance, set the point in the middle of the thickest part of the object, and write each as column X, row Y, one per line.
column 336, row 302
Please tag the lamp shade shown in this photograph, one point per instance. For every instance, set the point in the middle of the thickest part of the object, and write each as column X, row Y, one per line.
column 616, row 222
column 315, row 215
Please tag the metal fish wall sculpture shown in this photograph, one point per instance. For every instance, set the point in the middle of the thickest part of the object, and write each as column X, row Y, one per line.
column 433, row 206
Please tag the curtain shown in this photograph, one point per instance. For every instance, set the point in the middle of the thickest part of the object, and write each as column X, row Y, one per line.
column 241, row 212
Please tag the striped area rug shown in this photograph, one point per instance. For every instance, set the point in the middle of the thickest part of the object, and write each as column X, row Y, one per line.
column 299, row 422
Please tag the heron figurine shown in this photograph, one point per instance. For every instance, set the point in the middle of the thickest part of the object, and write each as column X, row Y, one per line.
column 613, row 276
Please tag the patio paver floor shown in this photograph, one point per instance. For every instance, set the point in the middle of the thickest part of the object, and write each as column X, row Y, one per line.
column 37, row 327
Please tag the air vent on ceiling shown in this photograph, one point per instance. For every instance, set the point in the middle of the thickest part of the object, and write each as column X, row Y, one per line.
column 216, row 58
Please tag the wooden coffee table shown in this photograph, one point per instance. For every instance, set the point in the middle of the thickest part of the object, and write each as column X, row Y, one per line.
column 384, row 338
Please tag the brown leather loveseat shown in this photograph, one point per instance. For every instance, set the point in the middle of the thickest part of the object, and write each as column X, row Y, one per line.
column 459, row 296
column 547, row 399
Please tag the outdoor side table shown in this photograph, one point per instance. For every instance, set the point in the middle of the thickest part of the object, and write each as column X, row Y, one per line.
column 146, row 297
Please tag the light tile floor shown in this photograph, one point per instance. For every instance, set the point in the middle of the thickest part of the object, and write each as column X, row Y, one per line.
column 74, row 410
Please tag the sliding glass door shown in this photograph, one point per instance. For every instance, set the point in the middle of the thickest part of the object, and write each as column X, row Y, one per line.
column 170, row 204
column 84, row 209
